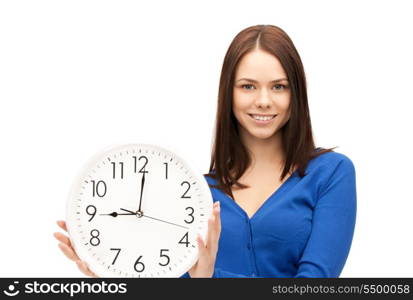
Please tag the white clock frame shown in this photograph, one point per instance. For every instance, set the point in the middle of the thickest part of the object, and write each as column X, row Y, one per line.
column 77, row 200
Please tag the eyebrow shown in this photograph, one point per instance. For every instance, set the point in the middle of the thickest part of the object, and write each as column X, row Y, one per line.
column 252, row 80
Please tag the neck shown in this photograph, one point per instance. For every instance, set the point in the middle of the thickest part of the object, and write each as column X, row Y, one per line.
column 265, row 152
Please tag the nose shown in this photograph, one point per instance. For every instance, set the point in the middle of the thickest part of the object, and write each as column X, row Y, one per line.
column 263, row 99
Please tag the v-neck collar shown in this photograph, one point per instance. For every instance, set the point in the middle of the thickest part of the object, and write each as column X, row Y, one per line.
column 276, row 194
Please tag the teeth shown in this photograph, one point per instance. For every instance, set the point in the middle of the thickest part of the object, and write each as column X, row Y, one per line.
column 262, row 118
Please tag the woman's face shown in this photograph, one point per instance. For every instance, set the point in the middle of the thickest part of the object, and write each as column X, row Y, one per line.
column 261, row 95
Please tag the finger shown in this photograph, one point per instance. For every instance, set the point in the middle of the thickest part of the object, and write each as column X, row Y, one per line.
column 201, row 246
column 219, row 219
column 81, row 267
column 62, row 238
column 91, row 274
column 88, row 271
column 215, row 230
column 216, row 205
column 62, row 224
column 217, row 212
column 210, row 234
column 216, row 223
column 68, row 251
column 211, row 221
column 85, row 269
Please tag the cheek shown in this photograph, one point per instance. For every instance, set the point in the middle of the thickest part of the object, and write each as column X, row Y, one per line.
column 240, row 103
column 283, row 104
column 285, row 109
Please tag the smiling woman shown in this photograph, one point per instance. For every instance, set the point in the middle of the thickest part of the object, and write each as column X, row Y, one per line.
column 287, row 208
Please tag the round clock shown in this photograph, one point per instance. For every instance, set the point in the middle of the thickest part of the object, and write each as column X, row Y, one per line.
column 135, row 211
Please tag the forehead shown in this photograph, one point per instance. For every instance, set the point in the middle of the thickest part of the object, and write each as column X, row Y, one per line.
column 259, row 65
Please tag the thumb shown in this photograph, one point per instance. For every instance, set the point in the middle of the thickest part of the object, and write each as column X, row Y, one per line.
column 201, row 246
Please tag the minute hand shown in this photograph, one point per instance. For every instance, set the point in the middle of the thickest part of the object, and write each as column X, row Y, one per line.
column 142, row 185
column 164, row 221
column 142, row 215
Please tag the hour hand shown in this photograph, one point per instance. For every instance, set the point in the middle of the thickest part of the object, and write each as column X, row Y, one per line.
column 129, row 211
column 114, row 214
column 138, row 213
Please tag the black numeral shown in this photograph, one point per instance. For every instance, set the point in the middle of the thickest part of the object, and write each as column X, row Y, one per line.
column 94, row 240
column 189, row 186
column 99, row 188
column 139, row 264
column 117, row 254
column 191, row 214
column 166, row 257
column 114, row 170
column 142, row 170
column 184, row 240
column 166, row 170
column 93, row 213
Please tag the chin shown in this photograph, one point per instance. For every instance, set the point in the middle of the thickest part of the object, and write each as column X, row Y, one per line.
column 262, row 135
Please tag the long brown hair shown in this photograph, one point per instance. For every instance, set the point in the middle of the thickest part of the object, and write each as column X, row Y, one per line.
column 230, row 157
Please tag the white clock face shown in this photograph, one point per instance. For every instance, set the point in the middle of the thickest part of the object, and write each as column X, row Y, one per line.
column 135, row 211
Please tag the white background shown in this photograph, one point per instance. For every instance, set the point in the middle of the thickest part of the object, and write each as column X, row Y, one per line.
column 77, row 76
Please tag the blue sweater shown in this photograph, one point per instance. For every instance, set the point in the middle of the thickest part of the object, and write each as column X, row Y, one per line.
column 304, row 229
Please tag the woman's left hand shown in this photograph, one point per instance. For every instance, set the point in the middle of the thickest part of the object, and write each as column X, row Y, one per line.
column 205, row 265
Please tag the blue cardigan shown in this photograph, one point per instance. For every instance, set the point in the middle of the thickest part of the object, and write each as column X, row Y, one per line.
column 304, row 229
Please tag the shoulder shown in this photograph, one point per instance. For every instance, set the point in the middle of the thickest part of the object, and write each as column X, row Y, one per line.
column 331, row 162
column 331, row 169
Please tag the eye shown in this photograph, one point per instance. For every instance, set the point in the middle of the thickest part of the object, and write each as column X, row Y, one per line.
column 279, row 87
column 247, row 86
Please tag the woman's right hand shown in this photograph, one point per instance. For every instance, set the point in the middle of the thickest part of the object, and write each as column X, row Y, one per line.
column 68, row 250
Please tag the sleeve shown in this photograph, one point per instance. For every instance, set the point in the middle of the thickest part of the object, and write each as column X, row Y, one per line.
column 334, row 218
column 186, row 275
column 218, row 273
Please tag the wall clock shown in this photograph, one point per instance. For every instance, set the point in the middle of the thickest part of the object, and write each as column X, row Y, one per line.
column 135, row 211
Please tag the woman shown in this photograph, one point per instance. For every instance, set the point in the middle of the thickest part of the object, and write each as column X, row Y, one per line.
column 288, row 209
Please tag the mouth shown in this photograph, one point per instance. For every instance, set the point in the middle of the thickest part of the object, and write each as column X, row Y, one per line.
column 262, row 118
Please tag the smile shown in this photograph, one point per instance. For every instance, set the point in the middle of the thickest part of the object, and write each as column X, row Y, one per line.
column 262, row 117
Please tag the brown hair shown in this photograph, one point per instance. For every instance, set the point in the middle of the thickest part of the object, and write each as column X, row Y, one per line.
column 230, row 157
